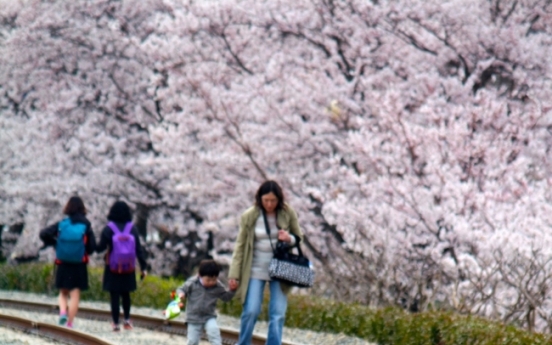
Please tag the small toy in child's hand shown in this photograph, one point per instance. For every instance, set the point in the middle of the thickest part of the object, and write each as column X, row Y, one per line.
column 173, row 309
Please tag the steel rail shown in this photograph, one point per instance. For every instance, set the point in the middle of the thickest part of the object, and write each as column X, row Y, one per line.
column 229, row 336
column 53, row 332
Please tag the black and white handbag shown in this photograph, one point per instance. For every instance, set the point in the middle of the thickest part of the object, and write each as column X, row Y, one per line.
column 287, row 267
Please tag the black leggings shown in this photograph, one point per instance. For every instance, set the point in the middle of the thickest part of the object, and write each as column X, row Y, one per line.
column 115, row 296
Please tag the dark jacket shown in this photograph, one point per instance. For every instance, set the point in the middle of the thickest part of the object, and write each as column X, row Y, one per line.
column 120, row 282
column 49, row 236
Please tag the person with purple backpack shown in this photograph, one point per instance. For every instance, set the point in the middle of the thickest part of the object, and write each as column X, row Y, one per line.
column 120, row 238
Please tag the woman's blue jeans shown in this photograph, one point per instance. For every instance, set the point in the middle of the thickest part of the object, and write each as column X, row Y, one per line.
column 252, row 308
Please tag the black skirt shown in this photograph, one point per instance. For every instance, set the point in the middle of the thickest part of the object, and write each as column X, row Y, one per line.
column 72, row 276
column 118, row 282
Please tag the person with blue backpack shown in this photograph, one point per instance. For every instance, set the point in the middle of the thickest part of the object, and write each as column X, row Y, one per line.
column 73, row 240
column 120, row 238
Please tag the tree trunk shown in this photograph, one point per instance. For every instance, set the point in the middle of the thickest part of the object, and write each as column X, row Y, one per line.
column 141, row 219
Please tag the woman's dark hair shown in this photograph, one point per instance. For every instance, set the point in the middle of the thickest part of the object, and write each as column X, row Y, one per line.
column 270, row 187
column 120, row 213
column 209, row 268
column 74, row 206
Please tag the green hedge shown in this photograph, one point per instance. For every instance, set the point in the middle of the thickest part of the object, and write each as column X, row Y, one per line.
column 153, row 292
column 389, row 326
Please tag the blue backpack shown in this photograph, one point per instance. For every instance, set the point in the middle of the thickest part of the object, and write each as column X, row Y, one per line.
column 70, row 241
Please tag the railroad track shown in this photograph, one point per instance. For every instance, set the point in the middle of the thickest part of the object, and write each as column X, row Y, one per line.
column 229, row 336
column 46, row 330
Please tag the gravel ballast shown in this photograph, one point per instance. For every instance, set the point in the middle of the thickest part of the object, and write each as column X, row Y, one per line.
column 9, row 336
column 147, row 337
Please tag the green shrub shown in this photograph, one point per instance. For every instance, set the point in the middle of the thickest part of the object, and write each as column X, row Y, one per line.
column 386, row 326
column 153, row 292
column 28, row 277
column 393, row 326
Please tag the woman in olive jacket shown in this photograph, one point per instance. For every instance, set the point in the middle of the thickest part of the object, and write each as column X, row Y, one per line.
column 252, row 254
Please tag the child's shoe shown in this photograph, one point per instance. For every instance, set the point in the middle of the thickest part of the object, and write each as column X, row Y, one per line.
column 116, row 327
column 62, row 319
column 127, row 325
column 69, row 324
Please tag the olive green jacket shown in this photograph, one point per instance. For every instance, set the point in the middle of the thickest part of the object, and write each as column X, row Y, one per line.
column 242, row 259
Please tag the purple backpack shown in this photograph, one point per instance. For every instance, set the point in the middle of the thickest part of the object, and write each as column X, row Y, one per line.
column 122, row 258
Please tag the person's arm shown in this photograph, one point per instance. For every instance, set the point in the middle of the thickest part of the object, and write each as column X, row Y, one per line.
column 105, row 240
column 294, row 228
column 48, row 235
column 140, row 252
column 226, row 295
column 293, row 240
column 90, row 239
column 183, row 290
column 294, row 236
column 234, row 274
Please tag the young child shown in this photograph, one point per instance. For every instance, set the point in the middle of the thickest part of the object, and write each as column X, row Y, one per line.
column 202, row 292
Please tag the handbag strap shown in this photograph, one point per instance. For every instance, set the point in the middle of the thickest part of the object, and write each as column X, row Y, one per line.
column 268, row 230
column 297, row 239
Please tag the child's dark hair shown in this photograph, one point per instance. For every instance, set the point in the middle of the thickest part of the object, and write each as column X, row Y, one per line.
column 208, row 268
column 120, row 212
column 74, row 206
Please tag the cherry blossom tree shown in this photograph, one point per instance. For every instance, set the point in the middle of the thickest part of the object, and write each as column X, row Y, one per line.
column 73, row 74
column 412, row 137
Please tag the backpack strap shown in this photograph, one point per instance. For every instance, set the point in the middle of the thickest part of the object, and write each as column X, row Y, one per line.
column 114, row 227
column 128, row 228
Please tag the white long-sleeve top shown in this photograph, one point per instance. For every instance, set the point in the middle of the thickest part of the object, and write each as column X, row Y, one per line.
column 262, row 250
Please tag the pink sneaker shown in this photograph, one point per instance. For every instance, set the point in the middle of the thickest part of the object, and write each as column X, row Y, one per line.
column 128, row 325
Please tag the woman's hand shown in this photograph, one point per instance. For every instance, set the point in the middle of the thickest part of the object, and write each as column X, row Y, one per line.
column 284, row 236
column 233, row 284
